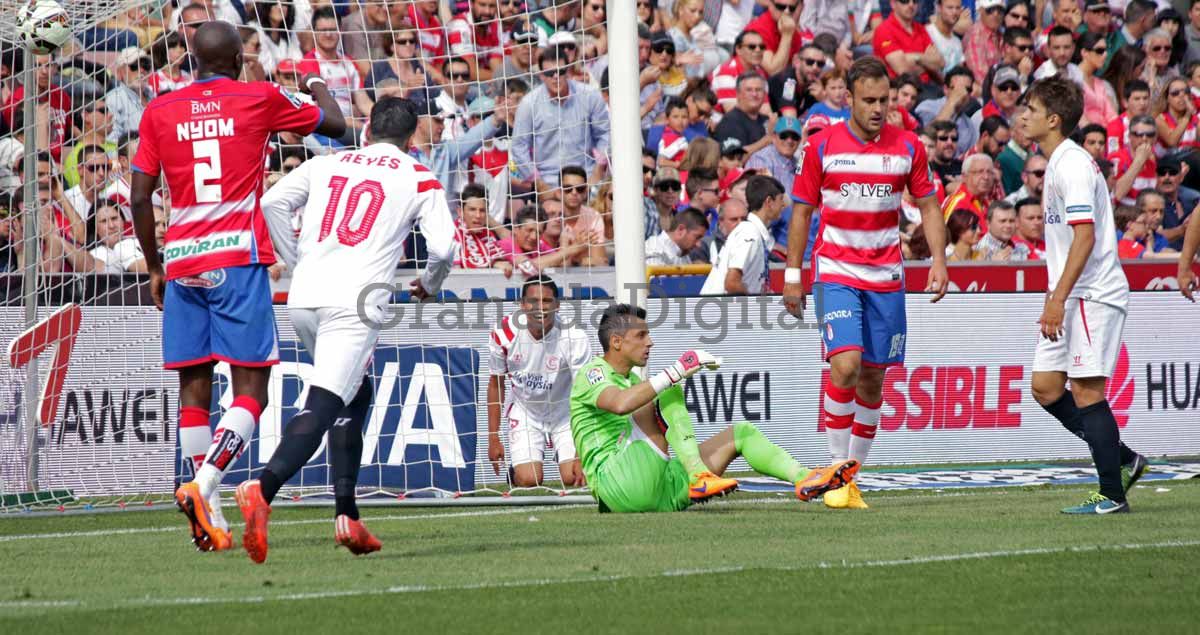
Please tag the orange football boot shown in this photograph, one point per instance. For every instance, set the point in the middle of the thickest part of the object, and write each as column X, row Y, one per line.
column 706, row 486
column 353, row 535
column 256, row 512
column 823, row 479
column 205, row 535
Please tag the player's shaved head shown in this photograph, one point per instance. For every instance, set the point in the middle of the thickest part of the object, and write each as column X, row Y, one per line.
column 218, row 49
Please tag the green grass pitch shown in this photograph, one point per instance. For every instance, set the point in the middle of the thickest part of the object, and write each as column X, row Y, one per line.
column 979, row 561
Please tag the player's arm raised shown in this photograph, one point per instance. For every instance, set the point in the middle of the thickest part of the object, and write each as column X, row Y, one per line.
column 332, row 123
column 623, row 401
column 1191, row 241
column 278, row 204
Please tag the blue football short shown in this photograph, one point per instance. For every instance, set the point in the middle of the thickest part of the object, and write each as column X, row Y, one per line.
column 855, row 319
column 221, row 315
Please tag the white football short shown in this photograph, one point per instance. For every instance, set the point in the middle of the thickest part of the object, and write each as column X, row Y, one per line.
column 1090, row 345
column 528, row 438
column 341, row 346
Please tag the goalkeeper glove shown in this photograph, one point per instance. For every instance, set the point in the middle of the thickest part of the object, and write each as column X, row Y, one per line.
column 687, row 365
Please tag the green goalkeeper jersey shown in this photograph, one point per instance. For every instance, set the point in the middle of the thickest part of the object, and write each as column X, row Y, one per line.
column 596, row 431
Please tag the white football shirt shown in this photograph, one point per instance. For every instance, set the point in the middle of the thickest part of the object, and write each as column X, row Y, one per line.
column 359, row 207
column 540, row 372
column 1075, row 192
column 746, row 249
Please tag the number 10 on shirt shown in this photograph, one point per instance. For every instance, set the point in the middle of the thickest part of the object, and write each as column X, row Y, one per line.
column 346, row 235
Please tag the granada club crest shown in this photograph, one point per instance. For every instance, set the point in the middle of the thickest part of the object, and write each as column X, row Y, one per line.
column 1120, row 389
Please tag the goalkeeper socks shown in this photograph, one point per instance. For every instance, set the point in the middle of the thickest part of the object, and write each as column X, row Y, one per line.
column 765, row 457
column 1104, row 439
column 839, row 417
column 862, row 432
column 231, row 439
column 301, row 438
column 194, row 436
column 345, row 450
column 680, row 435
column 1068, row 414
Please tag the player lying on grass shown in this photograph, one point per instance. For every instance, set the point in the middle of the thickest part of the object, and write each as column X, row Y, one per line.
column 623, row 427
column 372, row 196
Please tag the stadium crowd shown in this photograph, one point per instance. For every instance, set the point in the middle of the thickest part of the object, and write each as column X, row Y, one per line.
column 514, row 116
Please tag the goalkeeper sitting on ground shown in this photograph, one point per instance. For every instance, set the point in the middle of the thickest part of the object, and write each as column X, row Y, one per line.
column 623, row 425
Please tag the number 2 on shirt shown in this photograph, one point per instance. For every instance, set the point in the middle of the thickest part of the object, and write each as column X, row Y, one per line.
column 345, row 235
column 210, row 150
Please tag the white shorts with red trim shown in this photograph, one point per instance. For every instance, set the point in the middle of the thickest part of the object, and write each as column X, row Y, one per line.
column 341, row 345
column 529, row 438
column 1090, row 345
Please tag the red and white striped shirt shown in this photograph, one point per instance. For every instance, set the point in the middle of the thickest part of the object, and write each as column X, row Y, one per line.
column 467, row 40
column 1188, row 140
column 1147, row 179
column 673, row 145
column 476, row 250
column 724, row 83
column 1118, row 134
column 161, row 82
column 433, row 40
column 208, row 142
column 340, row 75
column 858, row 187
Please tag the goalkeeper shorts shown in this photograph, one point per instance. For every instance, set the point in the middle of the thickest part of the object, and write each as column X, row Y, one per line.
column 641, row 478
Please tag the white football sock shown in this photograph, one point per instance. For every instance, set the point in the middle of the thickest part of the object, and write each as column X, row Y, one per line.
column 862, row 433
column 231, row 439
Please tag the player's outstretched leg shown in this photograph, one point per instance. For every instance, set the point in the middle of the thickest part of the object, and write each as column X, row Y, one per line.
column 770, row 459
column 1133, row 465
column 301, row 437
column 345, row 452
column 673, row 414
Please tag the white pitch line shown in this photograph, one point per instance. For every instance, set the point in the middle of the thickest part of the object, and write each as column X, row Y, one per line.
column 745, row 502
column 420, row 588
column 312, row 521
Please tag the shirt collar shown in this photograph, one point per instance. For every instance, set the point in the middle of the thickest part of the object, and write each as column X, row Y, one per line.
column 761, row 228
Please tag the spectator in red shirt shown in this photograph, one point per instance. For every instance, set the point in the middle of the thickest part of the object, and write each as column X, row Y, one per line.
column 1177, row 124
column 904, row 45
column 981, row 44
column 1131, row 222
column 1135, row 94
column 972, row 195
column 1031, row 228
column 1135, row 163
column 748, row 52
column 424, row 15
column 780, row 32
column 478, row 246
column 53, row 103
column 474, row 35
column 673, row 146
